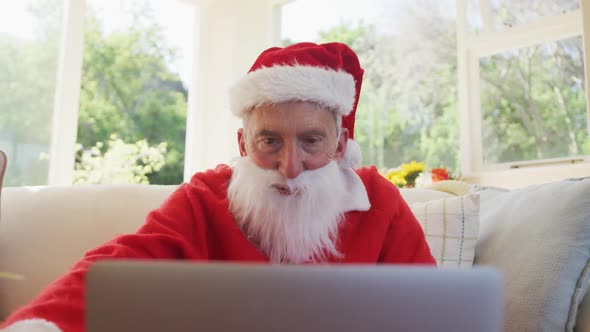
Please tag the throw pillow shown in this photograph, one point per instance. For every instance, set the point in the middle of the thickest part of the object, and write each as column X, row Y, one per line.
column 458, row 188
column 539, row 237
column 451, row 227
column 414, row 195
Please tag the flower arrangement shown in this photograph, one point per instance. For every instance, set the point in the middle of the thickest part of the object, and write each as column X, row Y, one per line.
column 414, row 174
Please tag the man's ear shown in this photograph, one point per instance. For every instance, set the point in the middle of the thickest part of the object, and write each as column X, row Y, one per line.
column 341, row 148
column 242, row 142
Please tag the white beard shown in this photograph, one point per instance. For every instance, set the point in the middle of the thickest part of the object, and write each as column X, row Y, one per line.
column 297, row 226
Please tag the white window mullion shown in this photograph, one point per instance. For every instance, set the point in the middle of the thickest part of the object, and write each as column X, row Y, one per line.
column 276, row 20
column 475, row 114
column 67, row 95
column 464, row 91
column 191, row 150
column 585, row 9
column 486, row 14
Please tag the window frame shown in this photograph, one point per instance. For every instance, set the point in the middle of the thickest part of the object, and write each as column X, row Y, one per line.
column 64, row 130
column 222, row 53
column 210, row 53
column 470, row 49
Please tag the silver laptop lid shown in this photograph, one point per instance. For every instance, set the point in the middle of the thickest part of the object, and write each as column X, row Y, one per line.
column 182, row 296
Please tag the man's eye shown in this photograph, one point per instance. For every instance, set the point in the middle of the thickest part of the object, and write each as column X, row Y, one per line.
column 268, row 144
column 270, row 141
column 312, row 140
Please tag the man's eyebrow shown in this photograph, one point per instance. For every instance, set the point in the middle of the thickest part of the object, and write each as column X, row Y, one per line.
column 266, row 132
column 310, row 132
column 313, row 132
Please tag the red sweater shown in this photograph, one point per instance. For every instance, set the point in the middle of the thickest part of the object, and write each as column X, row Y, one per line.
column 195, row 224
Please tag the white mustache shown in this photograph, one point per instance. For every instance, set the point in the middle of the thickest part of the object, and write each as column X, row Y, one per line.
column 296, row 186
column 287, row 190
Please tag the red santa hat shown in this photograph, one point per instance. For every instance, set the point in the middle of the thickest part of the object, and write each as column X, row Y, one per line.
column 327, row 74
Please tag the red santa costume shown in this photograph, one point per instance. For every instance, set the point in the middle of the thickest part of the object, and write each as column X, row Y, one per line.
column 201, row 220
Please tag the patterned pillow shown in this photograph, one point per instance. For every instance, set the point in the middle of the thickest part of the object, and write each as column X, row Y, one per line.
column 451, row 226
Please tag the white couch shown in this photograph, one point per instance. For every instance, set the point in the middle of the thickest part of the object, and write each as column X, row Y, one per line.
column 44, row 230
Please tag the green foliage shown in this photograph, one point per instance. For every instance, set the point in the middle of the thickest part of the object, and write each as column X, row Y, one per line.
column 408, row 105
column 27, row 82
column 128, row 90
column 533, row 103
column 121, row 163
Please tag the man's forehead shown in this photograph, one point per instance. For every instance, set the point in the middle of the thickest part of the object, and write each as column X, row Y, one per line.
column 294, row 111
column 291, row 105
column 298, row 116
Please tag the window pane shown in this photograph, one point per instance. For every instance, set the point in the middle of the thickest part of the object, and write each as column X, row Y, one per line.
column 533, row 103
column 134, row 91
column 408, row 105
column 509, row 13
column 474, row 19
column 29, row 43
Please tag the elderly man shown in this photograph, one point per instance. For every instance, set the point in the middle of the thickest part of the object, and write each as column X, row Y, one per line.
column 291, row 198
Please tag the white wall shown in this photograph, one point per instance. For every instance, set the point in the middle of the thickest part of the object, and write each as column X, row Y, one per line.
column 232, row 34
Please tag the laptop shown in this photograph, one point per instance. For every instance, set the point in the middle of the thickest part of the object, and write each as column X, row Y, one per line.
column 226, row 297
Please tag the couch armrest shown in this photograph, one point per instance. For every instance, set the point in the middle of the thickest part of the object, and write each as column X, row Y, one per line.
column 583, row 319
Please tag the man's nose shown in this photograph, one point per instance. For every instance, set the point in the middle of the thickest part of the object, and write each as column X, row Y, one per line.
column 290, row 163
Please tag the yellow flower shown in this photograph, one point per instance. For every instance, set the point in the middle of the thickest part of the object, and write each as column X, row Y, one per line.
column 397, row 177
column 395, row 173
column 413, row 167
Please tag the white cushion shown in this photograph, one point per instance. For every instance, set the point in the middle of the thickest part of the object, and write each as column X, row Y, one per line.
column 44, row 230
column 451, row 227
column 539, row 237
column 414, row 195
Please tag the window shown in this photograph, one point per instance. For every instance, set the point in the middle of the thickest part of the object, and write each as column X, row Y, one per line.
column 525, row 84
column 533, row 103
column 29, row 43
column 133, row 98
column 408, row 106
column 130, row 103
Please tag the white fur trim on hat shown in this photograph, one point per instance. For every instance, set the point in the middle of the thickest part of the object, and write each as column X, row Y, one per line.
column 277, row 84
column 32, row 325
column 352, row 155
